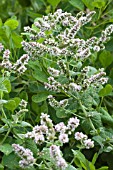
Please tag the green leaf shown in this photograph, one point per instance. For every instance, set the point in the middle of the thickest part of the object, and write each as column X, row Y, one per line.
column 1, row 22
column 7, row 84
column 103, row 168
column 106, row 117
column 17, row 40
column 46, row 154
column 17, row 101
column 105, row 58
column 77, row 3
column 32, row 146
column 88, row 4
column 54, row 3
column 3, row 88
column 61, row 113
column 12, row 23
column 78, row 155
column 98, row 3
column 94, row 158
column 96, row 119
column 70, row 167
column 6, row 149
column 105, row 91
column 10, row 105
column 11, row 161
column 40, row 96
column 1, row 167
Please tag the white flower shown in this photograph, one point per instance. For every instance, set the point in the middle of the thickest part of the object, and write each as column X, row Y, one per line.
column 88, row 143
column 60, row 127
column 80, row 136
column 53, row 72
column 73, row 123
column 63, row 138
column 1, row 47
column 61, row 163
column 39, row 138
column 74, row 87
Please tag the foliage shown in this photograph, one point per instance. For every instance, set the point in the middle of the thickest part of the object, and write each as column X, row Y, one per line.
column 48, row 80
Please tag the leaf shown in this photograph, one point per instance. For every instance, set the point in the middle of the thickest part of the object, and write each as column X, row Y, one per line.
column 105, row 58
column 40, row 96
column 1, row 167
column 17, row 101
column 99, row 140
column 6, row 149
column 103, row 168
column 25, row 124
column 98, row 3
column 96, row 119
column 32, row 146
column 105, row 91
column 94, row 158
column 106, row 117
column 78, row 155
column 11, row 161
column 40, row 76
column 70, row 167
column 17, row 39
column 12, row 23
column 61, row 113
column 10, row 105
column 88, row 4
column 77, row 3
column 3, row 88
column 45, row 154
column 7, row 84
column 54, row 3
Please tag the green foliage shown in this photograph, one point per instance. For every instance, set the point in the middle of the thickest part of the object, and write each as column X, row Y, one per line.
column 93, row 106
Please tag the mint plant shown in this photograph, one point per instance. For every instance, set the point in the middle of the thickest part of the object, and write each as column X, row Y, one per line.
column 57, row 73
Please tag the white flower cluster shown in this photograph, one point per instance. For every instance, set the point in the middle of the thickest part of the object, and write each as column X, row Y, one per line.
column 23, row 104
column 5, row 62
column 53, row 85
column 53, row 72
column 61, row 39
column 57, row 158
column 43, row 132
column 88, row 143
column 55, row 104
column 95, row 79
column 47, row 131
column 27, row 159
column 1, row 47
column 19, row 66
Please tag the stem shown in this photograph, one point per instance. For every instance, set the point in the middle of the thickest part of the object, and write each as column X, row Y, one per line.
column 83, row 109
column 4, row 115
column 5, row 136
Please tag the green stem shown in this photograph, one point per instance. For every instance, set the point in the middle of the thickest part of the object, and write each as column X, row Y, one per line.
column 6, row 136
column 4, row 115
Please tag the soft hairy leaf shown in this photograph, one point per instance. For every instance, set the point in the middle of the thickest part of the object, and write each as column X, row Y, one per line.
column 40, row 96
column 12, row 23
column 11, row 161
column 77, row 3
column 105, row 58
column 88, row 4
column 106, row 90
column 54, row 3
column 17, row 39
column 10, row 105
column 98, row 3
column 6, row 149
column 7, row 84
